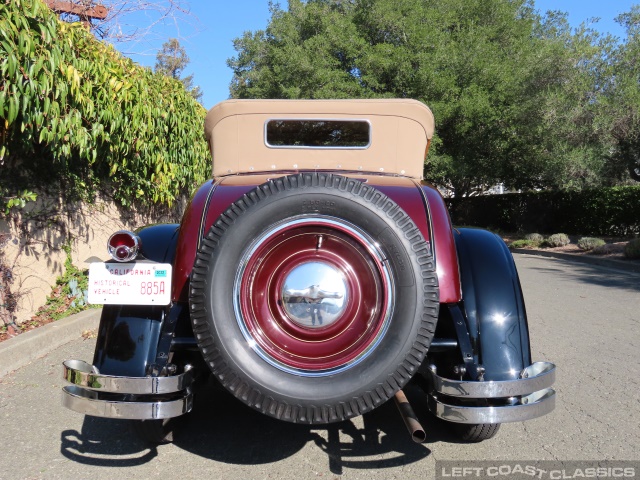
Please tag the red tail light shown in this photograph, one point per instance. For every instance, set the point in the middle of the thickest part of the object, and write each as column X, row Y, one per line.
column 123, row 246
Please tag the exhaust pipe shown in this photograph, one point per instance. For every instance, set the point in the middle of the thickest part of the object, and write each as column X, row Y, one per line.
column 410, row 420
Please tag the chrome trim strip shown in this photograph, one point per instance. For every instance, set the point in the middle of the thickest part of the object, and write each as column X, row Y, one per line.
column 432, row 239
column 82, row 374
column 205, row 210
column 89, row 402
column 531, row 406
column 534, row 378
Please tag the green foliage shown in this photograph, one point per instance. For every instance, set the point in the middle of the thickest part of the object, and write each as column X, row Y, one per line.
column 524, row 244
column 589, row 243
column 75, row 111
column 531, row 240
column 17, row 201
column 607, row 211
column 8, row 299
column 69, row 296
column 516, row 96
column 632, row 249
column 557, row 240
column 534, row 237
column 623, row 97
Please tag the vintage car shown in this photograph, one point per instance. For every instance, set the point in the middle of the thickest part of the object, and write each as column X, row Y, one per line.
column 314, row 276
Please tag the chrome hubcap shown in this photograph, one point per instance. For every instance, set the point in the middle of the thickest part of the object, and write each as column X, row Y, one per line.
column 314, row 294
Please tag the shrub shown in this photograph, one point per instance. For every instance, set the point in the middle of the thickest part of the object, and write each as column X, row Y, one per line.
column 589, row 243
column 68, row 296
column 605, row 249
column 632, row 249
column 558, row 240
column 524, row 244
column 594, row 211
column 534, row 237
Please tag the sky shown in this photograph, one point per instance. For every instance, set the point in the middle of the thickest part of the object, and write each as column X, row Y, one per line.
column 207, row 34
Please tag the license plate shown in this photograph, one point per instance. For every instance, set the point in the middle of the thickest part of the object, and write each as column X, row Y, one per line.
column 130, row 283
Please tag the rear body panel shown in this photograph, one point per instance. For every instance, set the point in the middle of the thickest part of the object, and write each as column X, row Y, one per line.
column 423, row 203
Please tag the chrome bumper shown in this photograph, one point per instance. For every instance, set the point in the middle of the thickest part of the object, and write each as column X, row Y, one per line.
column 528, row 397
column 133, row 398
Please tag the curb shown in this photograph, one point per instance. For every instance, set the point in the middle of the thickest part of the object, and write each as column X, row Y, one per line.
column 18, row 351
column 601, row 262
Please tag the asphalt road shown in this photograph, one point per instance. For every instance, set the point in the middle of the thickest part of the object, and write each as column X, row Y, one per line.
column 584, row 318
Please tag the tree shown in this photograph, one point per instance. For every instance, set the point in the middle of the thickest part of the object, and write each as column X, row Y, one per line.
column 570, row 86
column 506, row 85
column 171, row 60
column 623, row 96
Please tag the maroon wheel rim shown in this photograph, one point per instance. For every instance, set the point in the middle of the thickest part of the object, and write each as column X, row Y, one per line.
column 278, row 334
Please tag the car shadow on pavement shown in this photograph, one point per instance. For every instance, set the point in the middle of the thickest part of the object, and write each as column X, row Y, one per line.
column 105, row 442
column 222, row 429
column 593, row 274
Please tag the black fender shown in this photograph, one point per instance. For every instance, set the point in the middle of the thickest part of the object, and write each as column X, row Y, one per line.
column 492, row 304
column 129, row 335
column 128, row 339
column 159, row 242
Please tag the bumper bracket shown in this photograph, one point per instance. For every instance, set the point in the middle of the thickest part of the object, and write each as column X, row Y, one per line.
column 134, row 398
column 463, row 401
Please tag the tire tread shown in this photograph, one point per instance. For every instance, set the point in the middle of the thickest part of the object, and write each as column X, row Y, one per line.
column 474, row 433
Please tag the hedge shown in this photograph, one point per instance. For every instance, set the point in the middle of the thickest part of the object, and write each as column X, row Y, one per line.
column 613, row 211
column 73, row 109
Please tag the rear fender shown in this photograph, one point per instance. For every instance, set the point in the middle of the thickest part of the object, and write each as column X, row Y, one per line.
column 159, row 242
column 492, row 304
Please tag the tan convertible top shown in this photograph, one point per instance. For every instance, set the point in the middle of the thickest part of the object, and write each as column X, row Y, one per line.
column 400, row 132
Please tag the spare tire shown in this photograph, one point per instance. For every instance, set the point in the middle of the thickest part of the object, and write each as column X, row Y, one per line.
column 314, row 298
